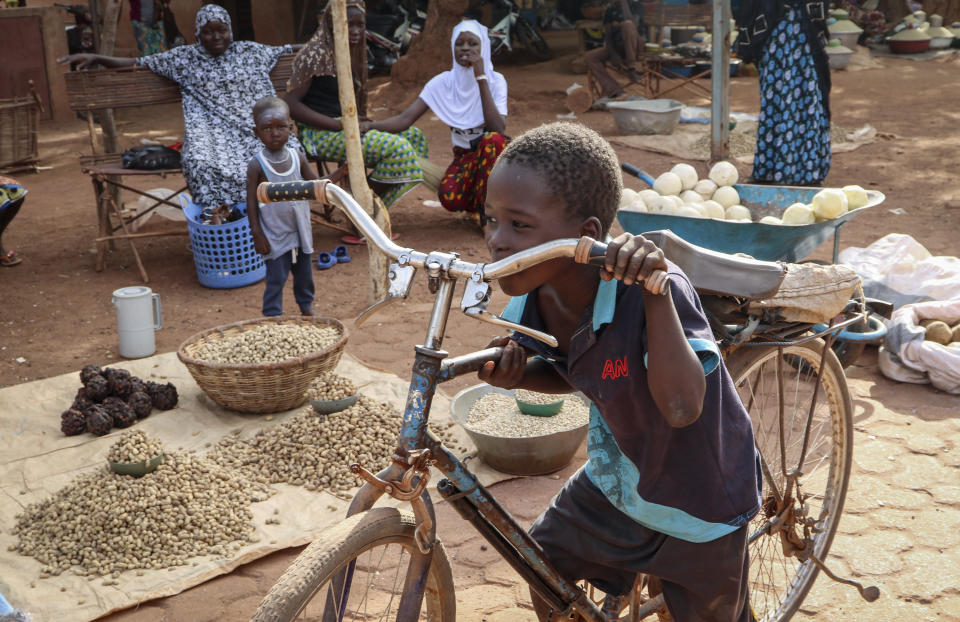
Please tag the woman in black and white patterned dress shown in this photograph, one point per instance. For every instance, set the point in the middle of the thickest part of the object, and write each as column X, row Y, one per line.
column 220, row 80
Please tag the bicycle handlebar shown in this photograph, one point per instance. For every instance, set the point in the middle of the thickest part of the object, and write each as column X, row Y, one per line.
column 584, row 250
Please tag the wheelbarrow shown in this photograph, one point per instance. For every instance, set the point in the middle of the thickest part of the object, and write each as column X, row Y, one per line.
column 789, row 243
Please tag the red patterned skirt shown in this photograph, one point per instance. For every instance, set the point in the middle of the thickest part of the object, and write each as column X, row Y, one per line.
column 464, row 185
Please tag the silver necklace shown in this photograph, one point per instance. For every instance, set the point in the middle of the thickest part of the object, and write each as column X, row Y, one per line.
column 280, row 161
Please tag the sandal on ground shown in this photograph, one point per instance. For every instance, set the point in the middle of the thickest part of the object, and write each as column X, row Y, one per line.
column 9, row 259
column 325, row 261
column 341, row 254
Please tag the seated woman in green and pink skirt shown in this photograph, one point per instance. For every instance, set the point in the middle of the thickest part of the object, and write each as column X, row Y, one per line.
column 313, row 97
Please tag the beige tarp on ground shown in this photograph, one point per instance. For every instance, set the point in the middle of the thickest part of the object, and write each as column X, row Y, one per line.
column 36, row 459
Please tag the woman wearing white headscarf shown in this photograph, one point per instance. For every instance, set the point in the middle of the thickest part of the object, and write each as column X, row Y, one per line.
column 220, row 79
column 471, row 98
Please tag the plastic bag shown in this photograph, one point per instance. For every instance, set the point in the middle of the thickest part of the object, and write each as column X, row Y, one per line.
column 151, row 158
column 898, row 269
column 907, row 357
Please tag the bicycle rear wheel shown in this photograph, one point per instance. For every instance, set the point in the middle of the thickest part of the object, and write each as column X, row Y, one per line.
column 369, row 554
column 779, row 583
column 532, row 40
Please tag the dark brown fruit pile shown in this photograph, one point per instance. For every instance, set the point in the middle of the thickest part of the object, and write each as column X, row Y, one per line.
column 163, row 396
column 73, row 422
column 112, row 397
column 99, row 422
column 140, row 403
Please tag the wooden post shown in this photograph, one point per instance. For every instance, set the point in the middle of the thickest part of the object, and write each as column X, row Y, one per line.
column 105, row 46
column 351, row 136
column 720, row 82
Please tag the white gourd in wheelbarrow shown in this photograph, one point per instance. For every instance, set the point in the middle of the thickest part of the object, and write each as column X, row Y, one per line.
column 856, row 196
column 798, row 214
column 687, row 175
column 829, row 203
column 726, row 196
column 738, row 213
column 668, row 184
column 714, row 210
column 705, row 188
column 628, row 196
column 724, row 174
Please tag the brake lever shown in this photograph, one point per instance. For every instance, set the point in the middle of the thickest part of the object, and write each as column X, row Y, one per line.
column 401, row 279
column 476, row 295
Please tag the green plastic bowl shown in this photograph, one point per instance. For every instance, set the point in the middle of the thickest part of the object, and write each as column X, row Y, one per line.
column 136, row 469
column 539, row 410
column 328, row 407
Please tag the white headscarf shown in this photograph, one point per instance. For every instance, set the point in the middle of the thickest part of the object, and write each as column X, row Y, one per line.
column 454, row 96
column 211, row 13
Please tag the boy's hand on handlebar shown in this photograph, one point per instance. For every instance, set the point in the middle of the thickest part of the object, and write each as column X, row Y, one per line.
column 507, row 373
column 632, row 259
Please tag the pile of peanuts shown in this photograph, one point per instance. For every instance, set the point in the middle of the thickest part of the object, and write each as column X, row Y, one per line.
column 104, row 523
column 315, row 451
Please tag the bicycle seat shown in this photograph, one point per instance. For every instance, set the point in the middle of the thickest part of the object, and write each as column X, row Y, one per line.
column 717, row 273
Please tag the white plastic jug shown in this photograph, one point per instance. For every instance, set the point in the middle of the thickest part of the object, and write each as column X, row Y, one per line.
column 138, row 314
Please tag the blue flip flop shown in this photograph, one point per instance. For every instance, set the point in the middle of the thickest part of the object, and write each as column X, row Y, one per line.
column 341, row 254
column 325, row 261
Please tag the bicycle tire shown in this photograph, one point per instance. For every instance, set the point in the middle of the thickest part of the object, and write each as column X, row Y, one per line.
column 532, row 40
column 778, row 584
column 345, row 542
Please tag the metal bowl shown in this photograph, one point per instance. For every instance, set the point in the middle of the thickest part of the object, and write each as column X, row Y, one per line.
column 328, row 407
column 136, row 469
column 532, row 455
column 646, row 116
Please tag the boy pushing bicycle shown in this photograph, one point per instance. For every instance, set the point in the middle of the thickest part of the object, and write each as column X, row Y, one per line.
column 672, row 476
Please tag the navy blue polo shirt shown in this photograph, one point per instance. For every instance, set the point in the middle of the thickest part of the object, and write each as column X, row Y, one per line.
column 696, row 483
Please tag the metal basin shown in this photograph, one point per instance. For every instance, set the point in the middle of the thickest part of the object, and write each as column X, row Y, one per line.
column 533, row 455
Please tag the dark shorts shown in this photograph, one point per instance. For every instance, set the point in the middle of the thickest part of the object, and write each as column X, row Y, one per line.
column 586, row 537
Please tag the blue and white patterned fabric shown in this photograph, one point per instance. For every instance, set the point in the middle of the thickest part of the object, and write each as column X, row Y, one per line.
column 793, row 137
column 218, row 97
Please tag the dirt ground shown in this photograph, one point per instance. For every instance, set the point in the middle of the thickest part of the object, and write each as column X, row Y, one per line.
column 900, row 529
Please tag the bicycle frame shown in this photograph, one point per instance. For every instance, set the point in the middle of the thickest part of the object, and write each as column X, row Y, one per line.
column 418, row 449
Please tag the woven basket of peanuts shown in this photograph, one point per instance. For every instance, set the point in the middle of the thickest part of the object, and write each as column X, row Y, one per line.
column 264, row 365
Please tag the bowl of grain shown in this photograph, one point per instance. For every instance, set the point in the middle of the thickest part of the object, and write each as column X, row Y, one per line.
column 135, row 454
column 331, row 393
column 538, row 404
column 515, row 443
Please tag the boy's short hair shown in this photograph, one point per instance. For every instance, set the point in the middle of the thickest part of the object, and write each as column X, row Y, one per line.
column 577, row 164
column 269, row 103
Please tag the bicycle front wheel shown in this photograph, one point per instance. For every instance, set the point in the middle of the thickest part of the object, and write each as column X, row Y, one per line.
column 356, row 571
column 821, row 452
column 532, row 40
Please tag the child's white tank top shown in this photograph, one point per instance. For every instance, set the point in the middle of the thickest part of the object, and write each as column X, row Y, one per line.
column 286, row 225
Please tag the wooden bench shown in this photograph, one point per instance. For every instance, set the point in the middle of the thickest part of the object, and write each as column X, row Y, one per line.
column 100, row 92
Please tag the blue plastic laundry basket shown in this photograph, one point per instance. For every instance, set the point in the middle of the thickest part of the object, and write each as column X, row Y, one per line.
column 223, row 254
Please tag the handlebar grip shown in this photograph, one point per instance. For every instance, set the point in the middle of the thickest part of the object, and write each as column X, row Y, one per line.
column 589, row 251
column 275, row 192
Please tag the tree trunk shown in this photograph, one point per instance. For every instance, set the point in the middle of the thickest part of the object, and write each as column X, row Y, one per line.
column 429, row 54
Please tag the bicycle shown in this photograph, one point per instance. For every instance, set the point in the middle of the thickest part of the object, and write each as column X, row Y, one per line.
column 384, row 563
column 512, row 25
